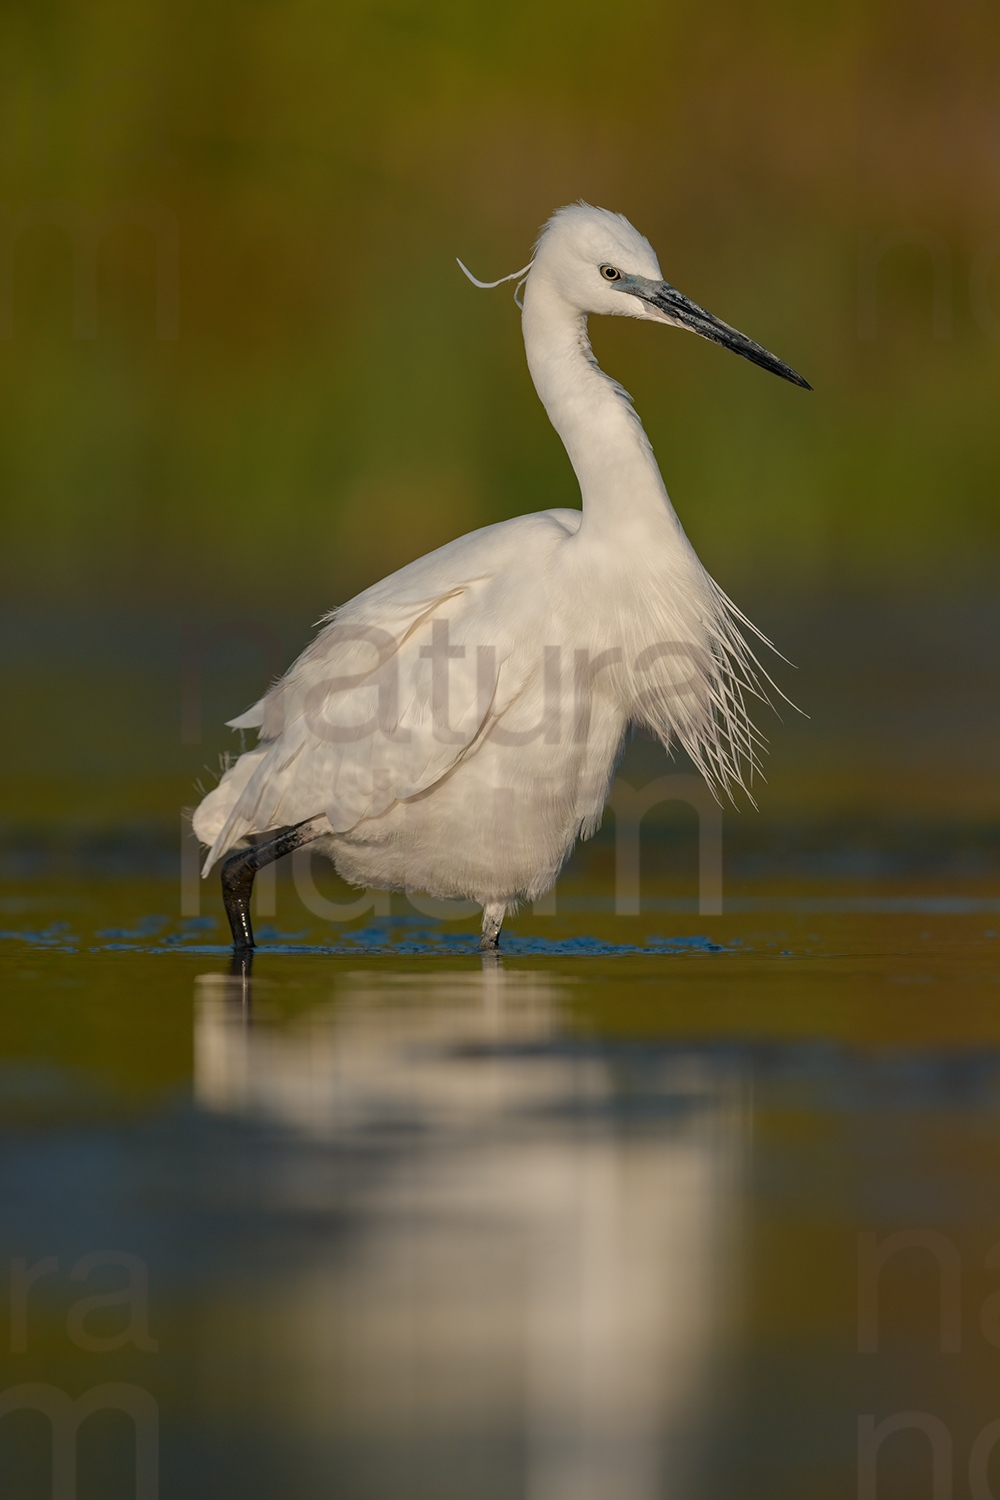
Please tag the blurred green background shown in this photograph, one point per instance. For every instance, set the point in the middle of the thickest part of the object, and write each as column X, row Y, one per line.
column 242, row 376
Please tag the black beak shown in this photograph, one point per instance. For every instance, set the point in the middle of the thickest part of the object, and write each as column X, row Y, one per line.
column 687, row 314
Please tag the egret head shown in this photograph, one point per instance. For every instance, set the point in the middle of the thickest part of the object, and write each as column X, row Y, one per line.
column 584, row 255
column 596, row 262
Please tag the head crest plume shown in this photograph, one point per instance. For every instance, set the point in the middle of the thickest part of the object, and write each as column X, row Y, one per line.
column 486, row 286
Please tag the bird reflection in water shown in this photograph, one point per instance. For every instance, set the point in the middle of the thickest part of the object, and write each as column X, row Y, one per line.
column 535, row 1265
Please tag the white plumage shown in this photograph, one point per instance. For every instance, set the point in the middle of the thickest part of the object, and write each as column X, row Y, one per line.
column 456, row 727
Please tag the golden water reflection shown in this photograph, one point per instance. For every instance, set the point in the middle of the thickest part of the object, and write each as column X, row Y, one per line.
column 540, row 1239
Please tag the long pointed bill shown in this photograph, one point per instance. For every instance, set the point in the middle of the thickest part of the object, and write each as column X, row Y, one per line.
column 678, row 309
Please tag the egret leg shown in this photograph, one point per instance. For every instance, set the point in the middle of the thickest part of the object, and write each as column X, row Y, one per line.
column 493, row 915
column 239, row 870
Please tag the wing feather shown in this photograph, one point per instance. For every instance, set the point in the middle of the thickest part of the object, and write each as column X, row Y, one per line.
column 368, row 715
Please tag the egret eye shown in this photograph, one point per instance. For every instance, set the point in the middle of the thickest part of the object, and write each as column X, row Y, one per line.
column 610, row 274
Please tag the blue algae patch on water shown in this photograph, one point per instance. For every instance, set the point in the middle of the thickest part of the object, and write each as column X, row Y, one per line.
column 394, row 936
column 430, row 942
column 56, row 936
column 189, row 929
column 145, row 927
column 268, row 933
column 690, row 944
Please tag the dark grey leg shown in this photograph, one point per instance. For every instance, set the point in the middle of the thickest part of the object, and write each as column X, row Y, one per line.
column 239, row 870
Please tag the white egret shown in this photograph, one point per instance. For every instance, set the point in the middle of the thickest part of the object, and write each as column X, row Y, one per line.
column 456, row 727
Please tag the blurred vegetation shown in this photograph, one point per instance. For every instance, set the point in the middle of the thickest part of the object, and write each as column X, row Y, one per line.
column 339, row 399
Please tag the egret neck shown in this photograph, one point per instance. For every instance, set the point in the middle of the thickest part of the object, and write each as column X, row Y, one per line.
column 624, row 497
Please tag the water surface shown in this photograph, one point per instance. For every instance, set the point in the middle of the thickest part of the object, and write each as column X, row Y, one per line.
column 584, row 1222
